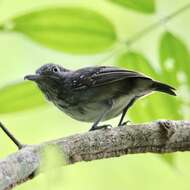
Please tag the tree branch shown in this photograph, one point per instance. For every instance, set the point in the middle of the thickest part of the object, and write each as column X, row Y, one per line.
column 156, row 137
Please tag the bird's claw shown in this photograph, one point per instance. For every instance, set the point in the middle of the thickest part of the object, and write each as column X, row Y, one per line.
column 108, row 126
column 124, row 124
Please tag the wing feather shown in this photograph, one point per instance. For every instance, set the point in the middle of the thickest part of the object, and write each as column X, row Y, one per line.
column 98, row 76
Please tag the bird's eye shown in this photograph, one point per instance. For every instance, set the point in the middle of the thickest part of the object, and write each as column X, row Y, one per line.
column 55, row 69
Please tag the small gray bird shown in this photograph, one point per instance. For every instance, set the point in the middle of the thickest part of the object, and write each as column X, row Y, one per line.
column 95, row 94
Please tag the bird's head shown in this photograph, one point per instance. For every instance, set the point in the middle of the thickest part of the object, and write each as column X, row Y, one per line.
column 47, row 72
column 49, row 78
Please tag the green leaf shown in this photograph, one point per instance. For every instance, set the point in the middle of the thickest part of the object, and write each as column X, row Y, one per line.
column 149, row 105
column 174, row 59
column 175, row 66
column 155, row 106
column 136, row 61
column 71, row 29
column 19, row 97
column 144, row 6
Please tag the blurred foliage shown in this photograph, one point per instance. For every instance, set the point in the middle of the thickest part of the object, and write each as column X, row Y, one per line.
column 20, row 96
column 174, row 59
column 92, row 29
column 52, row 158
column 73, row 30
column 166, row 104
column 145, row 6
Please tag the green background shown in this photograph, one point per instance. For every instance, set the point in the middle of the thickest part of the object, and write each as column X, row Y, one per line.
column 19, row 56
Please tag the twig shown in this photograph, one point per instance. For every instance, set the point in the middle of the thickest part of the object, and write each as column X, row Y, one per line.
column 11, row 136
column 144, row 32
column 157, row 137
column 157, row 24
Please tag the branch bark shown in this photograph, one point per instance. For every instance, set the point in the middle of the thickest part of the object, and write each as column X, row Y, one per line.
column 156, row 137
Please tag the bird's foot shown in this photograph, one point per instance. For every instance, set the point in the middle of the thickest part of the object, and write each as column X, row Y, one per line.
column 124, row 124
column 100, row 127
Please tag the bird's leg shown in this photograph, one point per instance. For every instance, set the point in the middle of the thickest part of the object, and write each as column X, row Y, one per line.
column 121, row 123
column 95, row 125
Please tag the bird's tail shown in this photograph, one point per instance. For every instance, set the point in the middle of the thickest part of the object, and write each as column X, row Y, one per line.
column 161, row 87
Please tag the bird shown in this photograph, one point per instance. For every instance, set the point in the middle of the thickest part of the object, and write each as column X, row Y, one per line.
column 97, row 93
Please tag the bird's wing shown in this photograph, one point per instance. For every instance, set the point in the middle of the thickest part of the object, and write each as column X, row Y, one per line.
column 98, row 76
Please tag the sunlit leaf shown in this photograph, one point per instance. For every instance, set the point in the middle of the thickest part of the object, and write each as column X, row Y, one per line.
column 174, row 59
column 73, row 30
column 136, row 61
column 145, row 6
column 154, row 107
column 20, row 96
column 175, row 65
column 148, row 109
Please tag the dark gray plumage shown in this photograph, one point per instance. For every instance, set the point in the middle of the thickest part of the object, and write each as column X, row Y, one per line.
column 94, row 94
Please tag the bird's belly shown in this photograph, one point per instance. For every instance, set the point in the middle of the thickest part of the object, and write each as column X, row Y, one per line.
column 118, row 105
column 87, row 112
column 91, row 112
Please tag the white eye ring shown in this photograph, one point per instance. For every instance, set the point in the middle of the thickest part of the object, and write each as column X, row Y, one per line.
column 55, row 69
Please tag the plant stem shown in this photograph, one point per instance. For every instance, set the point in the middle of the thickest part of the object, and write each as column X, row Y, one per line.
column 157, row 24
column 8, row 133
column 139, row 35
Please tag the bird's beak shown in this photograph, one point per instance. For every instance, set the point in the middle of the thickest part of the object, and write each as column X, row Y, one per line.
column 32, row 77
